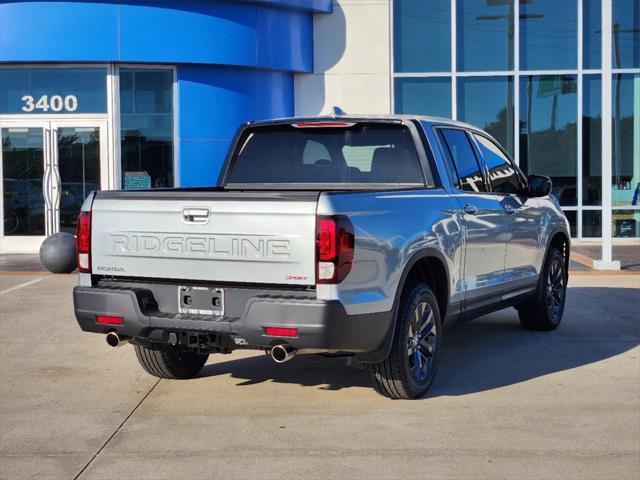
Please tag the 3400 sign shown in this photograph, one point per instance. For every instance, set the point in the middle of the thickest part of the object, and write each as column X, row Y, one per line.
column 55, row 103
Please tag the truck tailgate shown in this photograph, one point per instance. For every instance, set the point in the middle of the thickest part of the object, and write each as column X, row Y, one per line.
column 218, row 236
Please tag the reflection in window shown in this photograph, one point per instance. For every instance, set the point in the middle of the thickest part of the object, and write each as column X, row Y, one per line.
column 422, row 35
column 487, row 102
column 502, row 175
column 591, row 223
column 592, row 33
column 548, row 34
column 469, row 178
column 423, row 96
column 484, row 35
column 626, row 34
column 548, row 134
column 591, row 140
column 146, row 110
column 626, row 139
column 22, row 172
column 626, row 223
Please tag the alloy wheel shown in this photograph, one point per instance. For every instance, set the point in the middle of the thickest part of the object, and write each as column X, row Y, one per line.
column 421, row 342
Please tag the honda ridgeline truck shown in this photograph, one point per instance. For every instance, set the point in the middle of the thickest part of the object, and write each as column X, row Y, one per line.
column 354, row 236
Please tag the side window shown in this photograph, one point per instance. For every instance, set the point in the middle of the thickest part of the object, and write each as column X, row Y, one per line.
column 464, row 160
column 502, row 176
column 314, row 151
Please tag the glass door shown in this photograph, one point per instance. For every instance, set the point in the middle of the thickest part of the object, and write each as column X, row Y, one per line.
column 48, row 169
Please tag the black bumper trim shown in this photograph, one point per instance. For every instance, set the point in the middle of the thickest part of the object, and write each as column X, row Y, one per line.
column 322, row 325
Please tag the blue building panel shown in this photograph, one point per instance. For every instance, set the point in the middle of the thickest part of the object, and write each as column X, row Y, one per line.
column 53, row 31
column 214, row 101
column 245, row 34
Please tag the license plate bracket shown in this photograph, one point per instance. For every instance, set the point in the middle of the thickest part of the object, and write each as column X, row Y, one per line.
column 201, row 301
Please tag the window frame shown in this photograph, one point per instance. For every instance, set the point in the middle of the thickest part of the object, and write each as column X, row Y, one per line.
column 114, row 105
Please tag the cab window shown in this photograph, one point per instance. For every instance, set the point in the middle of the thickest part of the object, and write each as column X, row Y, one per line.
column 503, row 178
column 461, row 155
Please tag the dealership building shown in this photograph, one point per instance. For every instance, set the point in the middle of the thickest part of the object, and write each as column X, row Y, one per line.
column 143, row 94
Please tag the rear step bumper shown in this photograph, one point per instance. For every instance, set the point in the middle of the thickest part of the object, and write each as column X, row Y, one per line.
column 321, row 325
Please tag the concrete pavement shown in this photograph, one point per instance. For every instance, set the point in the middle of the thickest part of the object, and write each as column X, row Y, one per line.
column 506, row 403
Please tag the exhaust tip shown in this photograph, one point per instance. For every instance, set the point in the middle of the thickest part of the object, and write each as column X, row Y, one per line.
column 114, row 340
column 282, row 353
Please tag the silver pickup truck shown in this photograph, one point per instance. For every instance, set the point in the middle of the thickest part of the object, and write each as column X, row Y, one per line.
column 355, row 236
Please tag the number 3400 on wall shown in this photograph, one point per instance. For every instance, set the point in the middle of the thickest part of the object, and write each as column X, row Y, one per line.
column 55, row 103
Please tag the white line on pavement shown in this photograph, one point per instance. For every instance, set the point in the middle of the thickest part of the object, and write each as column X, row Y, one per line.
column 22, row 285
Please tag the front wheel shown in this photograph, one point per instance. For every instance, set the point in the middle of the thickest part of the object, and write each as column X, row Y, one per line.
column 544, row 310
column 165, row 361
column 411, row 366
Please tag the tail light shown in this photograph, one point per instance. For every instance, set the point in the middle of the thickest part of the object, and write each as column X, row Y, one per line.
column 334, row 248
column 83, row 242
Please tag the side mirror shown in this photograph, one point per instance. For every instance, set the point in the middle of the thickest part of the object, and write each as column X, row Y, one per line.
column 539, row 186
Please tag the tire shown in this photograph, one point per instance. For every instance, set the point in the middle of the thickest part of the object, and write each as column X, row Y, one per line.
column 411, row 366
column 169, row 362
column 543, row 311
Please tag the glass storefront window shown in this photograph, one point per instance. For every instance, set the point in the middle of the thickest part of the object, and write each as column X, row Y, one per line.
column 548, row 34
column 591, row 223
column 422, row 35
column 487, row 102
column 484, row 35
column 591, row 140
column 625, row 224
column 626, row 140
column 626, row 34
column 22, row 172
column 423, row 96
column 572, row 216
column 548, row 134
column 146, row 116
column 592, row 34
column 37, row 91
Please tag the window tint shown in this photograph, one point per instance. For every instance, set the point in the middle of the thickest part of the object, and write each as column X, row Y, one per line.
column 363, row 153
column 502, row 176
column 467, row 168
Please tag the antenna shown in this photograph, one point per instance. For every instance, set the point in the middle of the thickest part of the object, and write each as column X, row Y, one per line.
column 338, row 111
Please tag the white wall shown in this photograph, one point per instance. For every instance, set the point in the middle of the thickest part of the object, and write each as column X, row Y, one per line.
column 351, row 61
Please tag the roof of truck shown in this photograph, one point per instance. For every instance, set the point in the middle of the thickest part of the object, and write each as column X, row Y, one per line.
column 364, row 118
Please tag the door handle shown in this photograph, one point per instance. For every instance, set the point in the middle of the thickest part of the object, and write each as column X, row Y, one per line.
column 509, row 209
column 470, row 209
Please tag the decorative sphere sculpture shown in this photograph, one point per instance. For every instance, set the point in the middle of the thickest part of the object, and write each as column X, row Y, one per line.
column 58, row 253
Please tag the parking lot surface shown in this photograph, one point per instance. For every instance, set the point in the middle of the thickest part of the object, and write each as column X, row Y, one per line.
column 506, row 403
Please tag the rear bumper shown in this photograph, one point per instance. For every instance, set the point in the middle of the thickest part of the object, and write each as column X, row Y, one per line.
column 322, row 325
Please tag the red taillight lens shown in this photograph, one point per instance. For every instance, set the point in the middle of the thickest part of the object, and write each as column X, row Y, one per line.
column 281, row 332
column 108, row 320
column 326, row 239
column 83, row 242
column 334, row 248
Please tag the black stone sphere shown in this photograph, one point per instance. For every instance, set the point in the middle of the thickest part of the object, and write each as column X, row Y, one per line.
column 58, row 253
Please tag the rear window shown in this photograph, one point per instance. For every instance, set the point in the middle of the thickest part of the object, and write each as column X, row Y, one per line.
column 362, row 153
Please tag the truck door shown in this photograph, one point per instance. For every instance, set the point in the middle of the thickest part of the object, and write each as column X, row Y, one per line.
column 524, row 220
column 482, row 218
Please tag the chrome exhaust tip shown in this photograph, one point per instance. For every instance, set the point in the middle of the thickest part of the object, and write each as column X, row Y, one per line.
column 282, row 353
column 114, row 340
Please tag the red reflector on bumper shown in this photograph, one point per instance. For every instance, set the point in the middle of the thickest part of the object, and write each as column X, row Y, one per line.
column 107, row 320
column 281, row 332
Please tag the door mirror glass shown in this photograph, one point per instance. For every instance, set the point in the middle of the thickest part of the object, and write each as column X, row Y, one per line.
column 539, row 186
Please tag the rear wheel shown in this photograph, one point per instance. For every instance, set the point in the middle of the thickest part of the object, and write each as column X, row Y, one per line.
column 169, row 362
column 544, row 310
column 411, row 366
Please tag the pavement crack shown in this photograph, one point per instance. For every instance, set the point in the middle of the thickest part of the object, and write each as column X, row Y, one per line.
column 102, row 447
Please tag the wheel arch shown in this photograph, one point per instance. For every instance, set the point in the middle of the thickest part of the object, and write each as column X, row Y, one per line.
column 428, row 266
column 560, row 239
